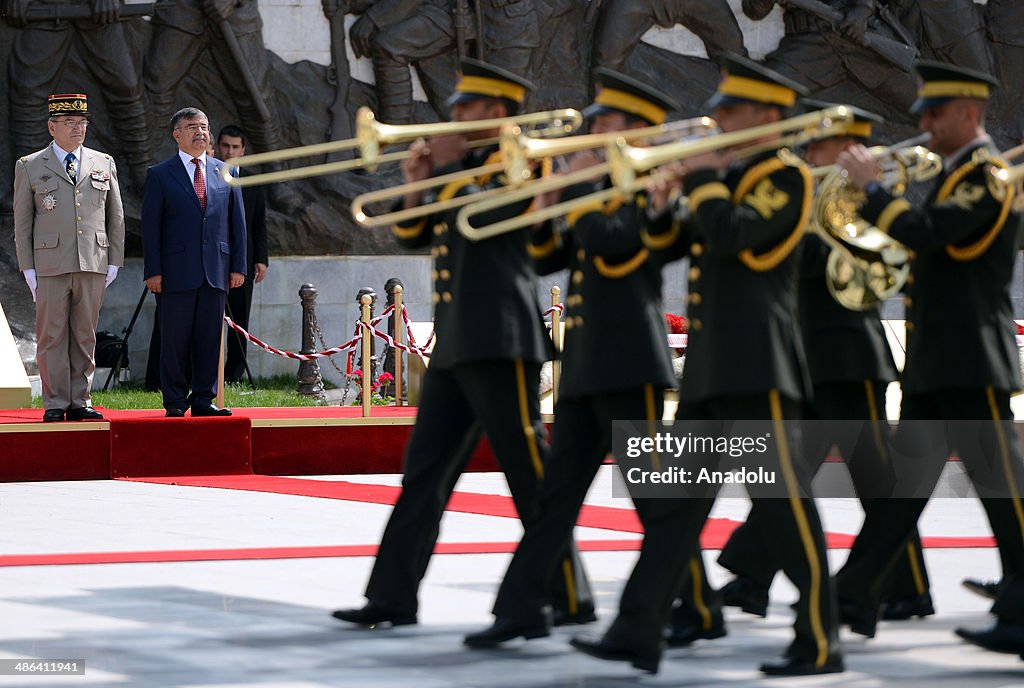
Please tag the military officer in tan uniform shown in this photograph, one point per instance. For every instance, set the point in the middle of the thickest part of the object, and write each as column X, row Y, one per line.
column 69, row 233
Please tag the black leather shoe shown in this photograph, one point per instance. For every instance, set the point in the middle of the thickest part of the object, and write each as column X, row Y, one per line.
column 1003, row 637
column 988, row 589
column 583, row 615
column 53, row 415
column 84, row 413
column 747, row 594
column 373, row 615
column 683, row 634
column 175, row 412
column 601, row 648
column 861, row 620
column 505, row 629
column 909, row 607
column 209, row 410
column 802, row 667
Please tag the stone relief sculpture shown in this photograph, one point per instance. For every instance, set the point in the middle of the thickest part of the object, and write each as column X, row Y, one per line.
column 947, row 30
column 622, row 23
column 1005, row 28
column 848, row 42
column 46, row 32
column 398, row 33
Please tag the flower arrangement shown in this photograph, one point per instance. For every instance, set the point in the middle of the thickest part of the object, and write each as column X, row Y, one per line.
column 677, row 325
column 382, row 380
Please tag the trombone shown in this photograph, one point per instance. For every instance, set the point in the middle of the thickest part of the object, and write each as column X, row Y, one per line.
column 371, row 135
column 1003, row 178
column 625, row 160
column 905, row 153
column 519, row 151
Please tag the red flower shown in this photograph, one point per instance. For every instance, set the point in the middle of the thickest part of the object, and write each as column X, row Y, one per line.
column 385, row 378
column 676, row 323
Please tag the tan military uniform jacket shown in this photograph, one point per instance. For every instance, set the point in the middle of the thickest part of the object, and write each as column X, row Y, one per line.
column 61, row 228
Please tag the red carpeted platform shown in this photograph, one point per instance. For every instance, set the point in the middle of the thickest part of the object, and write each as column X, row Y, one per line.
column 272, row 441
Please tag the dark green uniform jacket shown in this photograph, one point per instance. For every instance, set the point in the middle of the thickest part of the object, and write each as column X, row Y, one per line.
column 485, row 296
column 960, row 330
column 614, row 325
column 744, row 334
column 842, row 345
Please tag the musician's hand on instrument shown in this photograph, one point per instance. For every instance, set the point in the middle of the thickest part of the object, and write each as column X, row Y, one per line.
column 446, row 150
column 855, row 23
column 659, row 193
column 419, row 165
column 361, row 36
column 858, row 166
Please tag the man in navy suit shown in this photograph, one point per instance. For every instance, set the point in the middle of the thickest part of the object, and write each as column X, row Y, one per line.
column 193, row 235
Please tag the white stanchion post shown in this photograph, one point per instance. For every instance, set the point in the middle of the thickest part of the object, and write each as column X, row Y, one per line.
column 556, row 338
column 399, row 329
column 365, row 300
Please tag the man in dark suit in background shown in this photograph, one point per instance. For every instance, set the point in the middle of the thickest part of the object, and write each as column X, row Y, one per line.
column 193, row 234
column 231, row 143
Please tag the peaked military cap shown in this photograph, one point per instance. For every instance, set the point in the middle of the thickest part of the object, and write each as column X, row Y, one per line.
column 940, row 82
column 746, row 81
column 619, row 93
column 859, row 128
column 481, row 80
column 68, row 104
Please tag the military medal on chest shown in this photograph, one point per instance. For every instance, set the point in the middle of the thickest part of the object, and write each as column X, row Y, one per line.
column 49, row 201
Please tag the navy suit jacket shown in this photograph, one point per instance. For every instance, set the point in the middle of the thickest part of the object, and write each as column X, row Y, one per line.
column 181, row 241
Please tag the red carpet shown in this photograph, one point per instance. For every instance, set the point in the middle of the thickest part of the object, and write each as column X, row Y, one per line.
column 716, row 530
column 293, row 441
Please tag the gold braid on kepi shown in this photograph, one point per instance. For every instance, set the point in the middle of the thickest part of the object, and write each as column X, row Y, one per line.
column 861, row 126
column 68, row 104
column 940, row 82
column 481, row 80
column 746, row 81
column 619, row 93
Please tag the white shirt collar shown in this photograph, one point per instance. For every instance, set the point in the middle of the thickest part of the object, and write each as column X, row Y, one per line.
column 186, row 159
column 63, row 154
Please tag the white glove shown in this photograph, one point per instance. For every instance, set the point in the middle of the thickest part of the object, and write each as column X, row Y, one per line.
column 30, row 278
column 111, row 275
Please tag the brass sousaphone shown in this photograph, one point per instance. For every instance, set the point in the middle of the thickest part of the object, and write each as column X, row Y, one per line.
column 866, row 265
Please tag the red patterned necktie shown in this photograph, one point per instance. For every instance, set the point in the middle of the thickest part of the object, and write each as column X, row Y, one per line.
column 200, row 182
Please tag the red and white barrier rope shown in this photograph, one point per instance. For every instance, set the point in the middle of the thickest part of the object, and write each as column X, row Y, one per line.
column 350, row 344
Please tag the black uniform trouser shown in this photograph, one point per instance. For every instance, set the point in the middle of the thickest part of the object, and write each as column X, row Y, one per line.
column 240, row 301
column 494, row 397
column 673, row 526
column 581, row 438
column 749, row 552
column 991, row 452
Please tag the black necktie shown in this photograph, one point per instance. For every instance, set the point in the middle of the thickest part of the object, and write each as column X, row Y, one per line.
column 72, row 167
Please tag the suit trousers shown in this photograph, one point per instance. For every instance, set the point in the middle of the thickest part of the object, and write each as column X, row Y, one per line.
column 498, row 398
column 581, row 439
column 889, row 523
column 67, row 310
column 749, row 552
column 190, row 330
column 672, row 532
